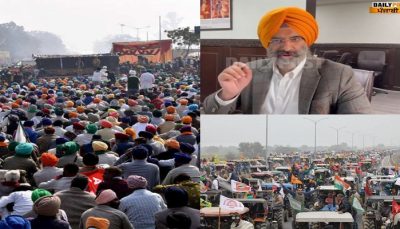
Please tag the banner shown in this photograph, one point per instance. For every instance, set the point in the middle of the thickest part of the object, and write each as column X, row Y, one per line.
column 230, row 204
column 239, row 187
column 153, row 51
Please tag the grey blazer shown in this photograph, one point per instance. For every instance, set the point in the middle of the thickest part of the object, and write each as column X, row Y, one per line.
column 326, row 87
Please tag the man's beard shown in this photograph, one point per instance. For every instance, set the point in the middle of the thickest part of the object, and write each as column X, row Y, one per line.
column 288, row 64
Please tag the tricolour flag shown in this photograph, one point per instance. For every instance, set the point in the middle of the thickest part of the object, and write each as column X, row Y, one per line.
column 341, row 184
column 230, row 204
column 239, row 187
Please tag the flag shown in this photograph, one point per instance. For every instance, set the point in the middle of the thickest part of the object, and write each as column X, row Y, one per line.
column 295, row 180
column 239, row 187
column 357, row 206
column 296, row 205
column 230, row 204
column 20, row 134
column 95, row 177
column 341, row 184
column 395, row 207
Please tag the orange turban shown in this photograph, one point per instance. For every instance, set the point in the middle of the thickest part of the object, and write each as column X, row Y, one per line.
column 170, row 110
column 186, row 119
column 183, row 101
column 49, row 159
column 80, row 109
column 73, row 115
column 96, row 100
column 169, row 117
column 172, row 143
column 69, row 104
column 14, row 105
column 298, row 19
column 131, row 132
column 99, row 223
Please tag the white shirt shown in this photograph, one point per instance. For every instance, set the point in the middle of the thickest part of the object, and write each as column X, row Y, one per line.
column 283, row 93
column 146, row 80
column 214, row 185
column 97, row 76
column 59, row 131
column 22, row 202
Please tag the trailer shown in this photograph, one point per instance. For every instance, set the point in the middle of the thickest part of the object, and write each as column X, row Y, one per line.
column 72, row 65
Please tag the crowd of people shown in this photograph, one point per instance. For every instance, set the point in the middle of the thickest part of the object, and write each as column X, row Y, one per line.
column 346, row 182
column 115, row 151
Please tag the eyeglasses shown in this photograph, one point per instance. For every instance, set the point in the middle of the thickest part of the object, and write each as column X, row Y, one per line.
column 280, row 41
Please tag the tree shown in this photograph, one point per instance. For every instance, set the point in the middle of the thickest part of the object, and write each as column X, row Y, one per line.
column 50, row 43
column 183, row 37
column 231, row 156
column 251, row 150
column 22, row 44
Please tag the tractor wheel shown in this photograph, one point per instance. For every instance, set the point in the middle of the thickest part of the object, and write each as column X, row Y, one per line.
column 285, row 215
column 290, row 212
column 263, row 225
column 314, row 225
column 279, row 218
column 369, row 224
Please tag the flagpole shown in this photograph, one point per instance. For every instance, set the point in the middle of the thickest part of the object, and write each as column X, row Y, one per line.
column 219, row 217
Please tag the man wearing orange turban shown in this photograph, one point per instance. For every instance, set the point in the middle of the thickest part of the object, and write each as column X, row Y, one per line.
column 290, row 80
column 49, row 170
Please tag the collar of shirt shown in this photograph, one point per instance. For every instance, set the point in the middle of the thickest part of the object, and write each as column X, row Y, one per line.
column 294, row 73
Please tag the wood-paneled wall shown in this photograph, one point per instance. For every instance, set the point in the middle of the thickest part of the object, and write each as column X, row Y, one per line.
column 217, row 54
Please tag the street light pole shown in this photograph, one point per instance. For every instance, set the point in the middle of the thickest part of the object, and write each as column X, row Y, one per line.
column 139, row 28
column 266, row 144
column 363, row 142
column 315, row 132
column 352, row 139
column 337, row 134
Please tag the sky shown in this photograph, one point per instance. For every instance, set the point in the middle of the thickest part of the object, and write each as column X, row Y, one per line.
column 79, row 23
column 295, row 130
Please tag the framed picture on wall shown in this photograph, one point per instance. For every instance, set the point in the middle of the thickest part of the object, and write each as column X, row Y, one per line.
column 216, row 14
